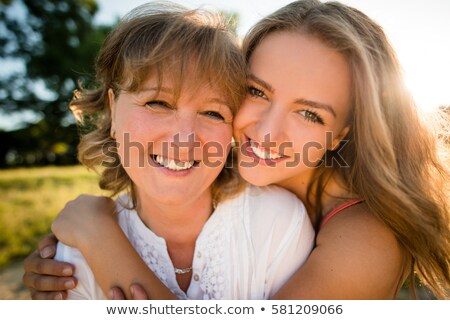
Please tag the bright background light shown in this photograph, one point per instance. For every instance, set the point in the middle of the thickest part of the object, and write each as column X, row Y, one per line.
column 418, row 29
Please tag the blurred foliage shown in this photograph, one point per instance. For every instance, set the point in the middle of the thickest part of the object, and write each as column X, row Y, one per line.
column 56, row 43
column 31, row 198
column 232, row 19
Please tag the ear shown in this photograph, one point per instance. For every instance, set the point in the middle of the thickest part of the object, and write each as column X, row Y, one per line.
column 112, row 109
column 338, row 139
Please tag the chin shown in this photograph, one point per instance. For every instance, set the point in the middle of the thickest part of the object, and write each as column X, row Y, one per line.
column 254, row 179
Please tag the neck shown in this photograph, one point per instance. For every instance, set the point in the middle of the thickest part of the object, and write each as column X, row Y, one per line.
column 178, row 223
column 330, row 197
column 298, row 185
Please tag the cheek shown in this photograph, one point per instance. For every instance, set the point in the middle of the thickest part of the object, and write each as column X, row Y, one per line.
column 244, row 117
column 140, row 126
column 215, row 146
column 223, row 139
column 308, row 142
column 135, row 136
column 124, row 121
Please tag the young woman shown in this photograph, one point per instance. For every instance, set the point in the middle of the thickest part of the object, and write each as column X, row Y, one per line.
column 163, row 115
column 327, row 116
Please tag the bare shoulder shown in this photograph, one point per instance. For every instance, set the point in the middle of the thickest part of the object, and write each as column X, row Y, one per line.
column 356, row 257
column 357, row 228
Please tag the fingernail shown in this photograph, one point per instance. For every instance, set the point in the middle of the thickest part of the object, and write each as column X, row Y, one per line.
column 69, row 284
column 47, row 252
column 67, row 271
column 59, row 296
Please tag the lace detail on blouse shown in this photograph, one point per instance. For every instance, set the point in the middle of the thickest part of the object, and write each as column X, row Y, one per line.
column 212, row 279
column 151, row 256
column 209, row 262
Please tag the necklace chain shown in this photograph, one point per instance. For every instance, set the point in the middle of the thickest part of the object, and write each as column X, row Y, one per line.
column 182, row 270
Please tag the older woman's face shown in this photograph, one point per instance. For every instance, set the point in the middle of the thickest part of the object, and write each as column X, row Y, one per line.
column 172, row 150
column 296, row 108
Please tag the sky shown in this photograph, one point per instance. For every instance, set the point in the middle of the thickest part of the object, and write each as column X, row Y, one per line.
column 418, row 29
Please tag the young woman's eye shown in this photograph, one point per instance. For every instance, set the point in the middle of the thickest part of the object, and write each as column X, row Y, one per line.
column 158, row 104
column 311, row 116
column 214, row 115
column 255, row 92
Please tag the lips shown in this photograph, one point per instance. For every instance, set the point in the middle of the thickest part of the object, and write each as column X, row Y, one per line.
column 263, row 153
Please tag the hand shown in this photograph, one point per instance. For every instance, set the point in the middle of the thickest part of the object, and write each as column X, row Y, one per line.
column 137, row 293
column 45, row 277
column 80, row 218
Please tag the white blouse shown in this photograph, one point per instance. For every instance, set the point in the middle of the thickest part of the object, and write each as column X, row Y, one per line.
column 247, row 249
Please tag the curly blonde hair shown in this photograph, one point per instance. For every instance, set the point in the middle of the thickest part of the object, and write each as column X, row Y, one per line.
column 392, row 155
column 157, row 39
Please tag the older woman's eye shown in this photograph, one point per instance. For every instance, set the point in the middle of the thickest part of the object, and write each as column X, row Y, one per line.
column 214, row 115
column 256, row 92
column 155, row 104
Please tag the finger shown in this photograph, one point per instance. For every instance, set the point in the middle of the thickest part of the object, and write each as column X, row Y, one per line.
column 138, row 292
column 35, row 264
column 48, row 295
column 47, row 246
column 48, row 283
column 116, row 294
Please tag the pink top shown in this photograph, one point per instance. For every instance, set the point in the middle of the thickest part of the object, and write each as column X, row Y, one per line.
column 339, row 209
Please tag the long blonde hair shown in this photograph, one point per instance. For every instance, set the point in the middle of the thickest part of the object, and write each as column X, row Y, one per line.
column 392, row 155
column 161, row 39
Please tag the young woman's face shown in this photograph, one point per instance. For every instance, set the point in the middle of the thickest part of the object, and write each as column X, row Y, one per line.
column 296, row 108
column 172, row 150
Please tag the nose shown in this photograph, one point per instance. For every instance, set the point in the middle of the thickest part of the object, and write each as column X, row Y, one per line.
column 269, row 128
column 184, row 137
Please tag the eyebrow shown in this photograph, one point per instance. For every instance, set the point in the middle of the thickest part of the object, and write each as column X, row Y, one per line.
column 304, row 102
column 316, row 105
column 218, row 101
column 261, row 82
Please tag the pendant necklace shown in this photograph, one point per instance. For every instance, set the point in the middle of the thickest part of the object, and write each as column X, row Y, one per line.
column 182, row 270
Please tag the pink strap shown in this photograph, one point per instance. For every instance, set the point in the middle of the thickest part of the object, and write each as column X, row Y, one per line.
column 339, row 209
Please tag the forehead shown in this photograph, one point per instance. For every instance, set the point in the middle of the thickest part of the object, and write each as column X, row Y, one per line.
column 187, row 87
column 303, row 67
column 186, row 81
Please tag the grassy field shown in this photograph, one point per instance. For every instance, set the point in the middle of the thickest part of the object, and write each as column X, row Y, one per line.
column 30, row 199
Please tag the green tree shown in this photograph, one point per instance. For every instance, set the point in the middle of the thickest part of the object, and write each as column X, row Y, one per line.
column 46, row 47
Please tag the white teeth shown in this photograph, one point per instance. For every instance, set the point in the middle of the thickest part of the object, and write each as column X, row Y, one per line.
column 174, row 165
column 264, row 154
